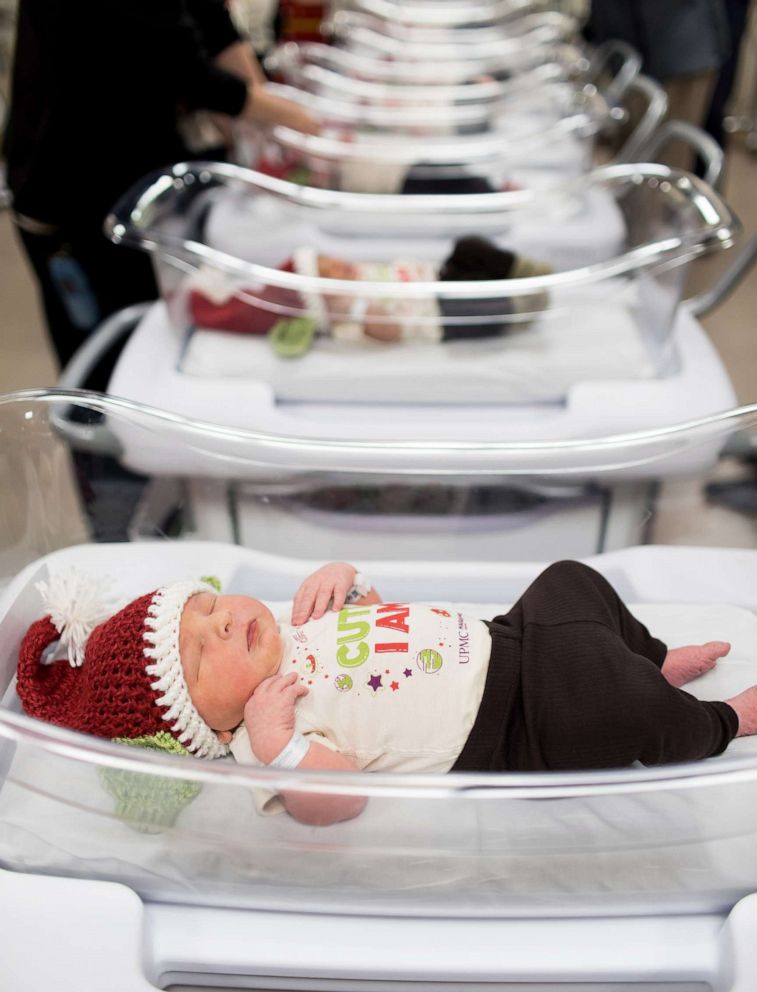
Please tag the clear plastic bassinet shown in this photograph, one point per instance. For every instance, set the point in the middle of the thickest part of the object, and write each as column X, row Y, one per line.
column 552, row 112
column 364, row 32
column 373, row 133
column 237, row 253
column 311, row 64
column 336, row 74
column 497, row 146
column 449, row 15
column 183, row 831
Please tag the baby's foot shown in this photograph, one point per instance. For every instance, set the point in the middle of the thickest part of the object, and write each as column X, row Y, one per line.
column 745, row 705
column 681, row 665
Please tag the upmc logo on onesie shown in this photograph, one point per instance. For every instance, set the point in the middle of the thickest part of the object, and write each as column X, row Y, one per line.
column 463, row 640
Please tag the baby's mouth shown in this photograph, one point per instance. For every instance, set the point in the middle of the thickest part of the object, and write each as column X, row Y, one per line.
column 251, row 633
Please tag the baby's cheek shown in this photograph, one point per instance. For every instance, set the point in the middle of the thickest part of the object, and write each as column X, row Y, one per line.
column 240, row 685
column 273, row 644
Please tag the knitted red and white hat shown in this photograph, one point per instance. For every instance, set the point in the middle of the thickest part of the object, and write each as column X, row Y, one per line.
column 124, row 677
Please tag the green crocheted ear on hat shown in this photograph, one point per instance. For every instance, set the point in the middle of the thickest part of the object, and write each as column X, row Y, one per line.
column 161, row 741
column 212, row 580
column 147, row 802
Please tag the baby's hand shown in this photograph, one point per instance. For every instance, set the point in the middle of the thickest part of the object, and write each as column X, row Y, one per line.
column 329, row 584
column 269, row 715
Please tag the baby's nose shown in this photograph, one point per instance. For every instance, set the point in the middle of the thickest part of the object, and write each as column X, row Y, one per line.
column 224, row 622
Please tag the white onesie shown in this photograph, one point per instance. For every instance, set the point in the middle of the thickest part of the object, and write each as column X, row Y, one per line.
column 396, row 687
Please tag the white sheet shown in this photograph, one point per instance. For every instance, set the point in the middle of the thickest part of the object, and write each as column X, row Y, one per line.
column 594, row 341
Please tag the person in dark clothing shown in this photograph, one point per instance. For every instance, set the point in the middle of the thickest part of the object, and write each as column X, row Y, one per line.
column 89, row 118
column 682, row 43
column 737, row 12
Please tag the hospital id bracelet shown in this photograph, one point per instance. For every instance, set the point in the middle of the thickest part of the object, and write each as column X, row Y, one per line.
column 360, row 587
column 292, row 754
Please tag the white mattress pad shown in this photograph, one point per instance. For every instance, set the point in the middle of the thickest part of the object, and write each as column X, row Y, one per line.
column 595, row 341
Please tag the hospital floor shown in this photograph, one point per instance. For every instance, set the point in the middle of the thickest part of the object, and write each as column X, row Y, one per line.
column 683, row 515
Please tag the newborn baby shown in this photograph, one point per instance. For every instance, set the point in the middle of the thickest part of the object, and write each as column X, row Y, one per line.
column 566, row 680
column 216, row 302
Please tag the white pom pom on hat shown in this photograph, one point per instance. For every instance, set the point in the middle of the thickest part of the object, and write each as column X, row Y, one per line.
column 77, row 604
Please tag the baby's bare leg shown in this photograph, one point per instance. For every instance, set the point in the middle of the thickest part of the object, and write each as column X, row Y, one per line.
column 745, row 705
column 377, row 324
column 681, row 665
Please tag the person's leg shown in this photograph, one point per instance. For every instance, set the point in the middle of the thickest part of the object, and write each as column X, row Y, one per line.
column 737, row 12
column 464, row 183
column 589, row 702
column 120, row 276
column 592, row 694
column 82, row 279
column 452, row 310
column 40, row 249
column 587, row 594
column 688, row 100
column 569, row 591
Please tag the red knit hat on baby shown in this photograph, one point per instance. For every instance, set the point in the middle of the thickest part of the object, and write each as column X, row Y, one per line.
column 124, row 677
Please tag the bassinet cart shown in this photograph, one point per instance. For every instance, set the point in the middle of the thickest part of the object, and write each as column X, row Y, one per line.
column 548, row 379
column 452, row 880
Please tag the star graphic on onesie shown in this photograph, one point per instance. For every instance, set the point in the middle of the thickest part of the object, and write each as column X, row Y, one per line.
column 375, row 682
column 407, row 673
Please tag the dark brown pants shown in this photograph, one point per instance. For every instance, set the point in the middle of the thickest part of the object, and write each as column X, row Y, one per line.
column 574, row 683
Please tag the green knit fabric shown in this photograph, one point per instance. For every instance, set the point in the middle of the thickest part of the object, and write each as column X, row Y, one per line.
column 212, row 580
column 149, row 802
column 292, row 337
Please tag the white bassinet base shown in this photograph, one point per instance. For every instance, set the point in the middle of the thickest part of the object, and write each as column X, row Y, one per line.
column 239, row 382
column 137, row 947
column 581, row 522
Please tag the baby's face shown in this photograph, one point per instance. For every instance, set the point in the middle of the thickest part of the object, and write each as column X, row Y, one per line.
column 228, row 646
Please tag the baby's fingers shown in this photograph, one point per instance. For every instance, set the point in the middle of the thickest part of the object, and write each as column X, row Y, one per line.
column 274, row 684
column 302, row 607
column 288, row 682
column 340, row 595
column 322, row 600
column 285, row 681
